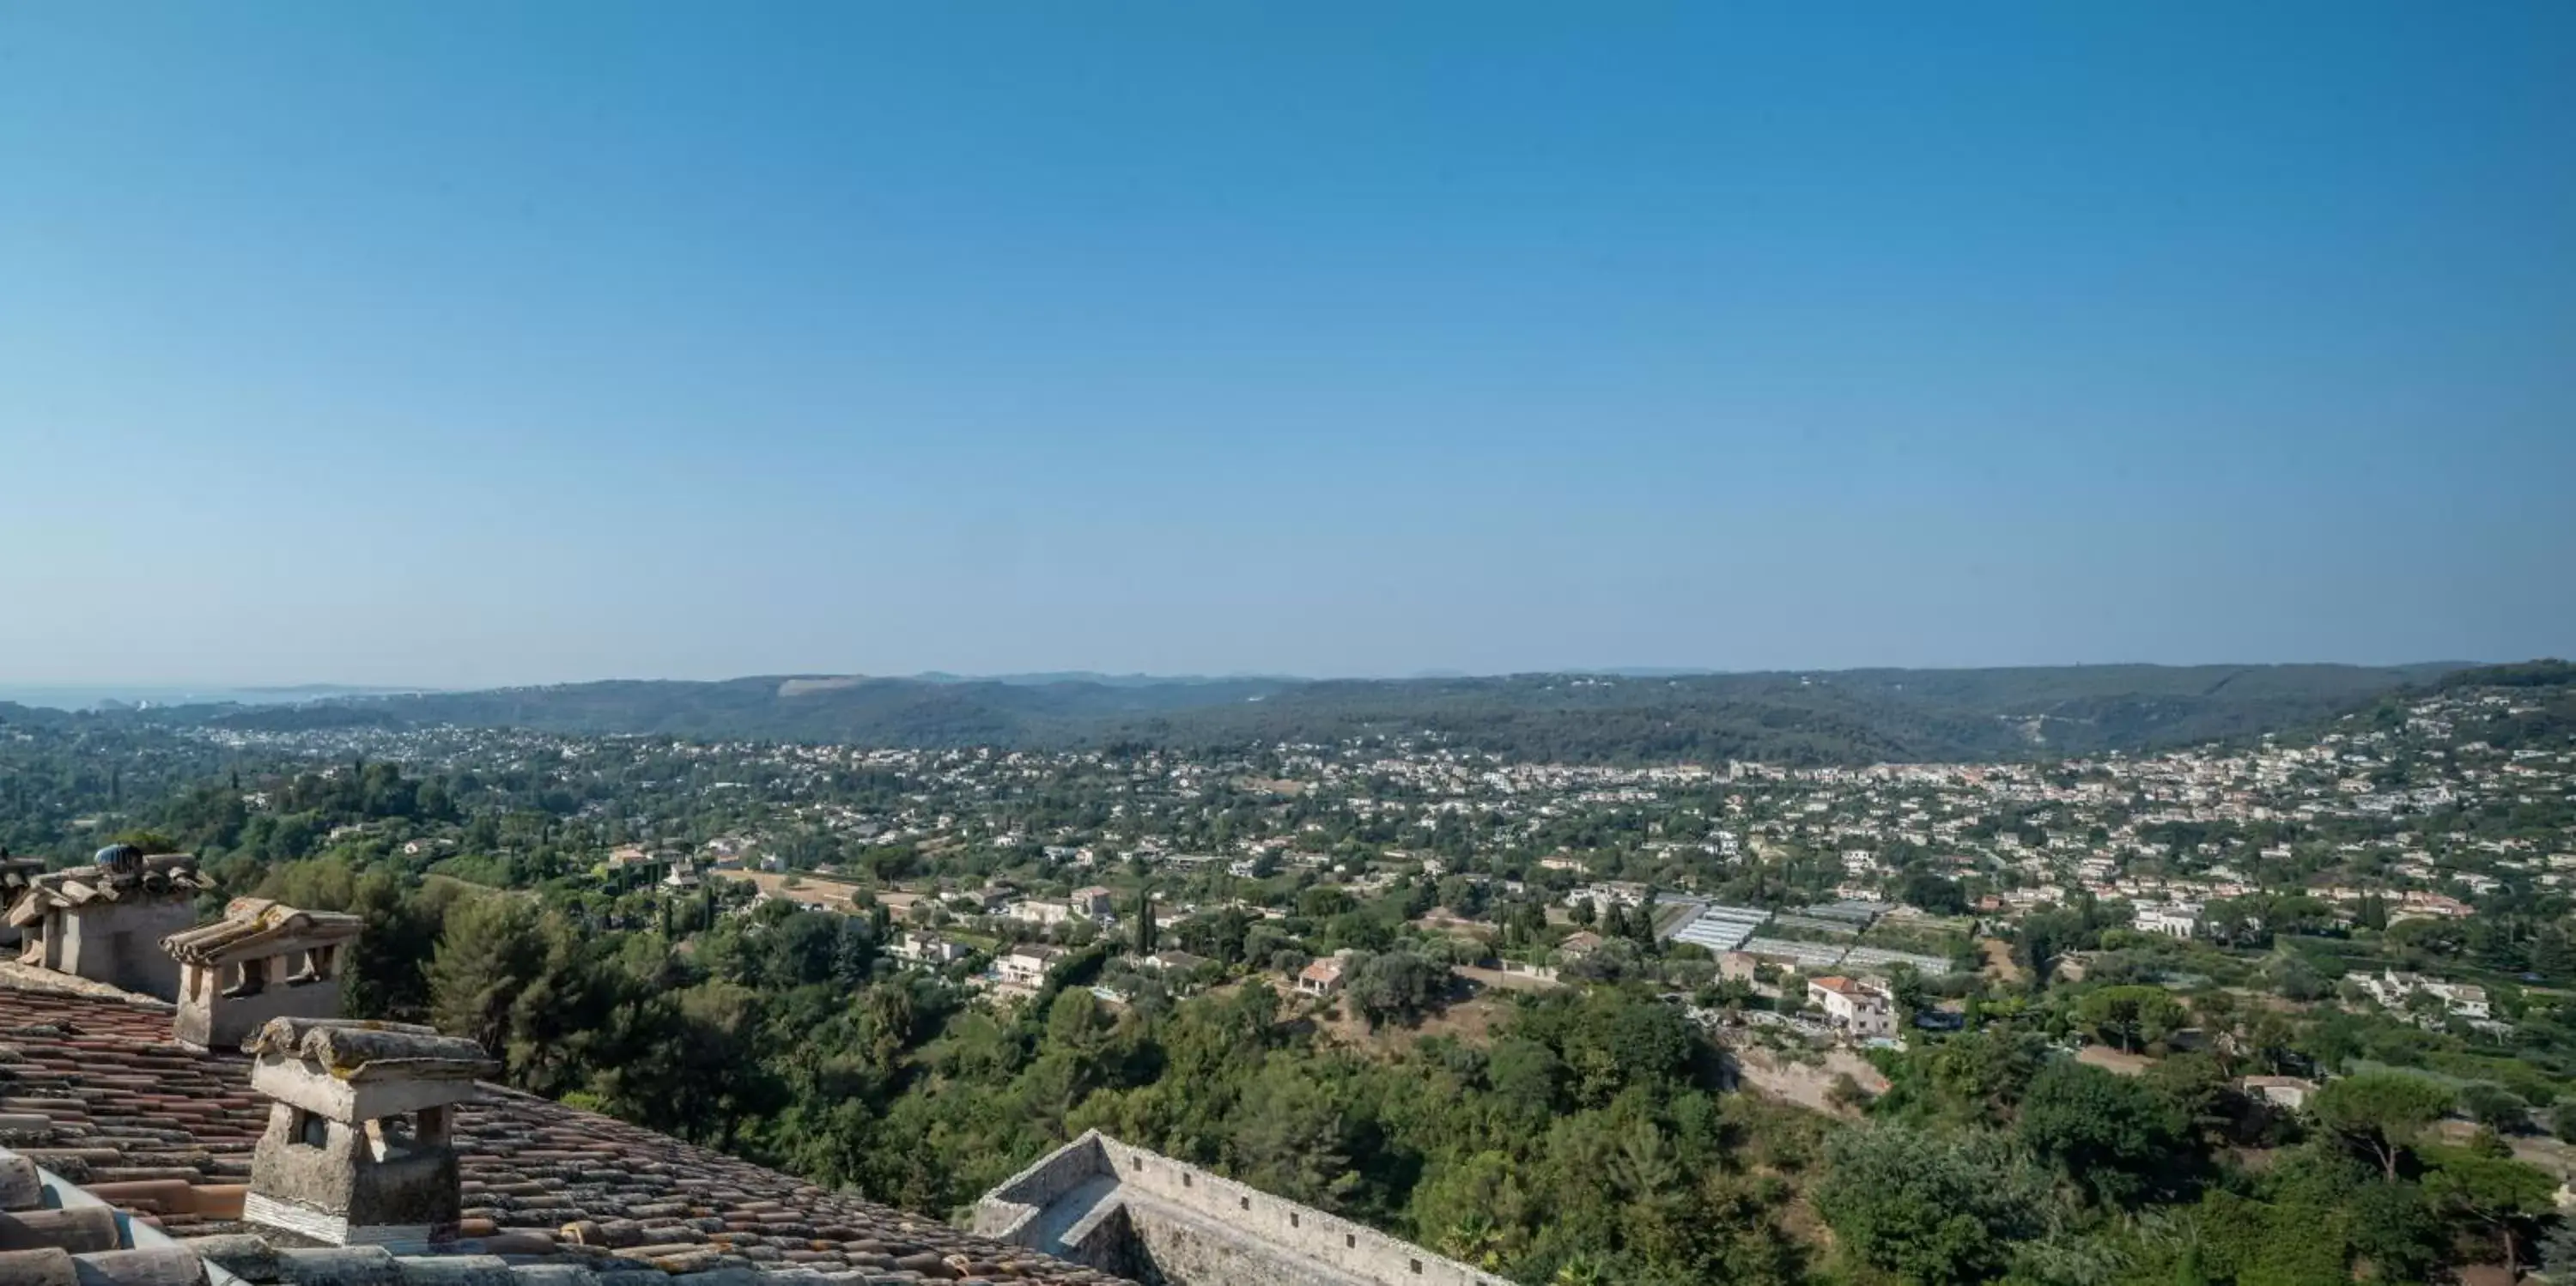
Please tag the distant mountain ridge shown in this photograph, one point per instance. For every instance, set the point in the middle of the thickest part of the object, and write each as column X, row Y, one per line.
column 1105, row 680
column 1816, row 717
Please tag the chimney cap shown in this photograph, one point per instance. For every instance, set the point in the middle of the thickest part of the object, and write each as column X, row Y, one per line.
column 259, row 927
column 357, row 1051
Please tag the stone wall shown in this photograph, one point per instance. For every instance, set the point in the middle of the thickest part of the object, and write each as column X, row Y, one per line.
column 1167, row 1222
column 224, row 1022
column 1112, row 1244
column 1007, row 1211
column 1241, row 1209
column 1173, row 1247
column 119, row 943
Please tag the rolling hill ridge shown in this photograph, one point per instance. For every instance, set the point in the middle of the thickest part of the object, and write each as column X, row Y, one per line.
column 1849, row 716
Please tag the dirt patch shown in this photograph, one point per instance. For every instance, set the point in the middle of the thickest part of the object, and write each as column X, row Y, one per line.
column 816, row 888
column 1470, row 1021
column 1999, row 961
column 472, row 889
column 1805, row 1084
column 2112, row 1060
column 1443, row 920
column 1506, row 981
column 2552, row 1155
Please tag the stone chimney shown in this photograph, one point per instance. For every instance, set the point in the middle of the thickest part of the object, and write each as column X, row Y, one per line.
column 359, row 1148
column 262, row 960
column 100, row 921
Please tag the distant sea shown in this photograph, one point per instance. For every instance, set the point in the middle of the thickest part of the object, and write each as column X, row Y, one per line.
column 92, row 698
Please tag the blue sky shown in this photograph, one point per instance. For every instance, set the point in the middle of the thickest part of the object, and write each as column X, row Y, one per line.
column 465, row 344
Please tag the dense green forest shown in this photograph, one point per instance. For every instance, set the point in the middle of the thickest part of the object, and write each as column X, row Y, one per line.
column 1826, row 717
column 56, row 768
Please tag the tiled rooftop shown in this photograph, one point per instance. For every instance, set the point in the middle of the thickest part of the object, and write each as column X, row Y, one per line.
column 93, row 1088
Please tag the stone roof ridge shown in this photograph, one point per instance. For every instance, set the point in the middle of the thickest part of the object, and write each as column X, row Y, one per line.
column 354, row 1049
column 259, row 926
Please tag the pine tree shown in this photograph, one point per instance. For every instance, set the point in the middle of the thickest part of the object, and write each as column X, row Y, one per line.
column 489, row 952
column 854, row 954
column 1144, row 923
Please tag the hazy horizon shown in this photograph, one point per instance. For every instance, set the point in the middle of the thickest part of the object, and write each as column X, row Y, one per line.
column 74, row 696
column 404, row 345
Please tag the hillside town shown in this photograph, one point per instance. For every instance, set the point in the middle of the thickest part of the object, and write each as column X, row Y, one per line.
column 1762, row 871
column 2247, row 935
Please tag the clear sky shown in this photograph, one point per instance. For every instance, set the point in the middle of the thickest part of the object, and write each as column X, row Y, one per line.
column 464, row 344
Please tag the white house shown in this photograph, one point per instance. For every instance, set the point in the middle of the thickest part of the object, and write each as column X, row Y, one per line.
column 1024, row 967
column 1603, row 894
column 2392, row 988
column 926, row 948
column 1040, row 911
column 2468, row 1000
column 2281, row 1091
column 1857, row 1008
column 2175, row 920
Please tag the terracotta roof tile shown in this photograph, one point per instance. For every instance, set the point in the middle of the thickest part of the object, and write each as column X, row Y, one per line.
column 96, row 1090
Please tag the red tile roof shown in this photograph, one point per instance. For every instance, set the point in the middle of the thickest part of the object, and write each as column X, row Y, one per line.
column 95, row 1089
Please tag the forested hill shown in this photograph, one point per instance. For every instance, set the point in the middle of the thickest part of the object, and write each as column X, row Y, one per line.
column 1852, row 716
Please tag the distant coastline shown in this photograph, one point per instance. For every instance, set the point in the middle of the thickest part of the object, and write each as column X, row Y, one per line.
column 110, row 695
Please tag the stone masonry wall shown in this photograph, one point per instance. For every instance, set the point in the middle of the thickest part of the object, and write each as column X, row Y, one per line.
column 1178, row 1248
column 1194, row 1228
column 1338, row 1243
column 1114, row 1246
column 120, row 944
column 1005, row 1209
column 223, row 1023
